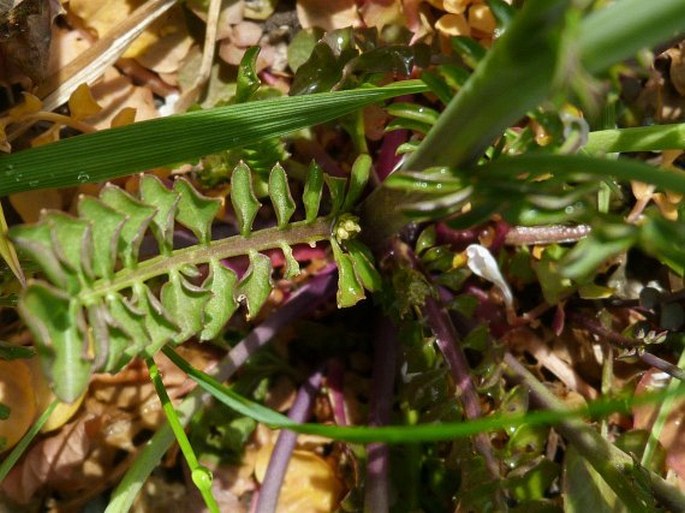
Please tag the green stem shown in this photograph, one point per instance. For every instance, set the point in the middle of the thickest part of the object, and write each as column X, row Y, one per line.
column 662, row 417
column 202, row 476
column 296, row 233
column 19, row 449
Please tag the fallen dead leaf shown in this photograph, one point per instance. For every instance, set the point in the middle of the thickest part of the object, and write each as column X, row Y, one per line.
column 327, row 14
column 310, row 483
column 16, row 393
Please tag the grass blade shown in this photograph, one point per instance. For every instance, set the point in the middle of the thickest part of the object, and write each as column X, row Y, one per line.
column 643, row 138
column 619, row 31
column 408, row 433
column 560, row 165
column 121, row 151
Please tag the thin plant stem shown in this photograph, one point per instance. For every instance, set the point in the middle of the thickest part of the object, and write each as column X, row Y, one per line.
column 285, row 444
column 662, row 417
column 385, row 354
column 201, row 476
column 21, row 446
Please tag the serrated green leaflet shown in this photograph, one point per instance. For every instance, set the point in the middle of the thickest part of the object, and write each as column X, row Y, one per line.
column 245, row 203
column 281, row 199
column 313, row 188
column 256, row 284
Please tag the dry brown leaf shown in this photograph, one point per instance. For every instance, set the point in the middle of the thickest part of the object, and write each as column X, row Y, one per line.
column 160, row 47
column 16, row 392
column 379, row 13
column 327, row 14
column 29, row 204
column 53, row 461
column 232, row 12
column 310, row 483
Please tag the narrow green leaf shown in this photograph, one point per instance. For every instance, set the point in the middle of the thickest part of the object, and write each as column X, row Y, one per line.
column 642, row 138
column 256, row 286
column 359, row 176
column 138, row 216
column 406, row 433
column 515, row 75
column 243, row 198
column 56, row 322
column 196, row 211
column 564, row 165
column 105, row 225
column 248, row 81
column 350, row 291
column 621, row 29
column 185, row 304
column 165, row 141
column 153, row 192
column 413, row 111
column 502, row 11
column 221, row 282
column 279, row 191
column 469, row 50
column 313, row 187
column 362, row 262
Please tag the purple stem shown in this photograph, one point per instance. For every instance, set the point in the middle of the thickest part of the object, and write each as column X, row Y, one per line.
column 335, row 379
column 285, row 444
column 385, row 353
column 447, row 340
column 387, row 155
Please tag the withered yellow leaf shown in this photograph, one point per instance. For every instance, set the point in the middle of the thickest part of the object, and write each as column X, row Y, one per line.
column 310, row 483
column 16, row 393
column 82, row 104
column 30, row 105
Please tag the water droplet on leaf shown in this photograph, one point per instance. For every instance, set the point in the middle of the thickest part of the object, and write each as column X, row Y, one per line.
column 83, row 177
column 202, row 477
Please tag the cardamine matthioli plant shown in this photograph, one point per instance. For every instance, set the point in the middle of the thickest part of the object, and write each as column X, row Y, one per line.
column 101, row 304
